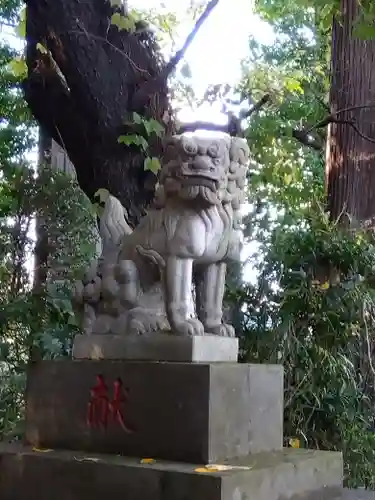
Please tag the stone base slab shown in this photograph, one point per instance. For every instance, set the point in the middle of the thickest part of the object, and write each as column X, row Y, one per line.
column 190, row 412
column 61, row 475
column 157, row 347
column 360, row 494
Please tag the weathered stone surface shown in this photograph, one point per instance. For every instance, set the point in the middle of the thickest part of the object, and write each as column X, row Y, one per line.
column 157, row 347
column 288, row 475
column 176, row 411
column 358, row 495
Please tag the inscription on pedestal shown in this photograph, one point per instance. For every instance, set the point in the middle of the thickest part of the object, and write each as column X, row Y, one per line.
column 103, row 410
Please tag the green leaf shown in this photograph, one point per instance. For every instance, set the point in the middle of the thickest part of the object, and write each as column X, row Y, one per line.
column 153, row 126
column 137, row 140
column 137, row 118
column 63, row 305
column 73, row 320
column 133, row 14
column 116, row 19
column 18, row 67
column 293, row 85
column 288, row 179
column 326, row 16
column 115, row 3
column 152, row 164
column 128, row 24
column 364, row 31
column 123, row 22
column 21, row 28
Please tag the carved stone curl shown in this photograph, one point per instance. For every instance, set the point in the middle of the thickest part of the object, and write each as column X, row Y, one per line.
column 144, row 279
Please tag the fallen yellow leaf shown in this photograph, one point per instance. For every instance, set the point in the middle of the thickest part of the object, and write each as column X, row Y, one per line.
column 42, row 450
column 294, row 443
column 206, row 469
column 324, row 286
column 148, row 461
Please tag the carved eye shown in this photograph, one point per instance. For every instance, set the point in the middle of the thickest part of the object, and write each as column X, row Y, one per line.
column 189, row 147
column 213, row 150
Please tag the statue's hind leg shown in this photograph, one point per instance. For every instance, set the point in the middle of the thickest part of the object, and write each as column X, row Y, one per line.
column 210, row 285
column 127, row 277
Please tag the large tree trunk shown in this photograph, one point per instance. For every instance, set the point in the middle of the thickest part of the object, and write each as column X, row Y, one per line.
column 350, row 167
column 83, row 90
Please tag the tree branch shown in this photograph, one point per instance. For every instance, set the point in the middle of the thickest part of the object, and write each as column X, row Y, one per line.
column 256, row 107
column 303, row 135
column 307, row 140
column 232, row 127
column 361, row 134
column 170, row 66
column 142, row 95
column 354, row 108
column 192, row 127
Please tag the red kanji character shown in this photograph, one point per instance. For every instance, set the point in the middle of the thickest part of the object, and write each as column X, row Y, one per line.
column 120, row 395
column 99, row 406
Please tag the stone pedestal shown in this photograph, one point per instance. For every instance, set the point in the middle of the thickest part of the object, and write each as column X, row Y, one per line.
column 158, row 347
column 212, row 429
column 198, row 413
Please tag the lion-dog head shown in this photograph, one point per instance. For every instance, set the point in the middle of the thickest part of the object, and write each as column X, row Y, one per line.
column 195, row 168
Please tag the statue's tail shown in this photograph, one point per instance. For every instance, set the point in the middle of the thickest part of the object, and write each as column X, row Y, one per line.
column 113, row 225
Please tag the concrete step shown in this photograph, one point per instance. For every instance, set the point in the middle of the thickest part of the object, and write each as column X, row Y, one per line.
column 27, row 474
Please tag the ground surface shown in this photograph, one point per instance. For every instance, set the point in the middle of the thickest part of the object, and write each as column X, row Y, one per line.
column 358, row 495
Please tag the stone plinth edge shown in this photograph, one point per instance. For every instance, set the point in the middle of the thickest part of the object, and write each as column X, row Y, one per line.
column 158, row 347
column 296, row 475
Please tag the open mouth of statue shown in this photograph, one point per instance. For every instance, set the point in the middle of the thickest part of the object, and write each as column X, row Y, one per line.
column 199, row 180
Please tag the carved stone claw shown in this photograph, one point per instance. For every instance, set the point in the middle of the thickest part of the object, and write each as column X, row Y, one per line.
column 188, row 328
column 143, row 322
column 222, row 330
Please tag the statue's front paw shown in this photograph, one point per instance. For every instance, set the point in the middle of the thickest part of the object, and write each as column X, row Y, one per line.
column 188, row 328
column 222, row 330
column 143, row 322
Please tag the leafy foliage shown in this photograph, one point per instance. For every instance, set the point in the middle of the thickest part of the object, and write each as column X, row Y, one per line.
column 312, row 309
column 148, row 127
column 32, row 318
column 310, row 302
column 42, row 319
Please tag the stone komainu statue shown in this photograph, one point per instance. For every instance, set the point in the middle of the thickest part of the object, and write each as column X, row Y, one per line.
column 169, row 272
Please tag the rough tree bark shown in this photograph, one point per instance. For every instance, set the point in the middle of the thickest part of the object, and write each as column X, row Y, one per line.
column 85, row 78
column 350, row 166
column 82, row 90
